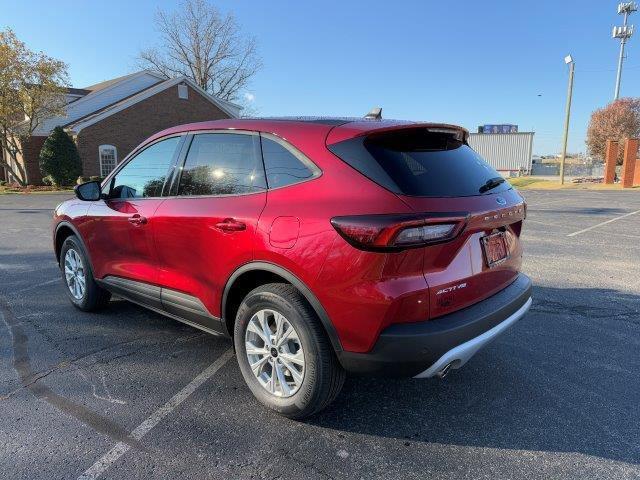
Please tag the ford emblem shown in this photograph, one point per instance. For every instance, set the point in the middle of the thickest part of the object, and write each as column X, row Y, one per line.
column 501, row 201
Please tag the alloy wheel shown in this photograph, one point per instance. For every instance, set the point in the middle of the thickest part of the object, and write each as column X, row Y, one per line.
column 74, row 274
column 275, row 353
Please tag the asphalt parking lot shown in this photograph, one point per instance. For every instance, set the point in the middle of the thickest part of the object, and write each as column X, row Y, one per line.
column 127, row 393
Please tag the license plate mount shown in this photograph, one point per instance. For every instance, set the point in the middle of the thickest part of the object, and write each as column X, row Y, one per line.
column 495, row 249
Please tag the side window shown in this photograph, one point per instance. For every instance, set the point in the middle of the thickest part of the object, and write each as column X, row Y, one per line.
column 283, row 167
column 108, row 155
column 222, row 164
column 144, row 174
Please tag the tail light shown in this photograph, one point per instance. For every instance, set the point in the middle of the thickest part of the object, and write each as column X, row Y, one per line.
column 398, row 232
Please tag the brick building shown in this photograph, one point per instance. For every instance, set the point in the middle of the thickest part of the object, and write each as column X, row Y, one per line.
column 108, row 120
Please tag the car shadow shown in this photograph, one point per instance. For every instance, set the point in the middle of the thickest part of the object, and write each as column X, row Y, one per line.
column 584, row 211
column 564, row 379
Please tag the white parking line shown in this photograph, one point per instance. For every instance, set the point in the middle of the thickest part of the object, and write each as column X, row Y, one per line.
column 38, row 285
column 145, row 427
column 603, row 223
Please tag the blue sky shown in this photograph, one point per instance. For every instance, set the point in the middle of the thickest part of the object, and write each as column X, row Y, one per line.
column 464, row 62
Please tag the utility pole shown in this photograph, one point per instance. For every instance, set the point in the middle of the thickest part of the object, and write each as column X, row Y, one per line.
column 569, row 61
column 624, row 33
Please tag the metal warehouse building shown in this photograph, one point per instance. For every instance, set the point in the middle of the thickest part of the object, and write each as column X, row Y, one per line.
column 508, row 153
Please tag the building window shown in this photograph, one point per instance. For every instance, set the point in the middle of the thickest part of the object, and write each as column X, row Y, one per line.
column 108, row 159
column 183, row 91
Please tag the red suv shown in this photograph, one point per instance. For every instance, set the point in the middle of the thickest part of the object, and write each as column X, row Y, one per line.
column 321, row 246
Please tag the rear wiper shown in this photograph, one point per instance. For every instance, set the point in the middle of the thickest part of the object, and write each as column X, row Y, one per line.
column 491, row 183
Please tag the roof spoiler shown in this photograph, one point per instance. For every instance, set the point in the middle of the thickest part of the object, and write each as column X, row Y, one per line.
column 365, row 127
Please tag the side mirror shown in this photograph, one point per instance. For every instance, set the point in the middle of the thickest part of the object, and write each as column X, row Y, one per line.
column 89, row 192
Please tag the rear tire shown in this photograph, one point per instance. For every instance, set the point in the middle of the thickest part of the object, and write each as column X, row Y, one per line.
column 82, row 289
column 322, row 375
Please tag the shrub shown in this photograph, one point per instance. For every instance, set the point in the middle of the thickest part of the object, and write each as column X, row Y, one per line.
column 59, row 158
column 80, row 180
column 95, row 178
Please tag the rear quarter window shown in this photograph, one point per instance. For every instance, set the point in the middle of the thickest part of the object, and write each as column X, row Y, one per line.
column 285, row 166
column 420, row 162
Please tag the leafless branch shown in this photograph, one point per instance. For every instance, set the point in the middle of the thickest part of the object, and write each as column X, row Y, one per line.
column 199, row 42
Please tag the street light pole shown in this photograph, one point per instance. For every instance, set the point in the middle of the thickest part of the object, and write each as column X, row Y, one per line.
column 569, row 61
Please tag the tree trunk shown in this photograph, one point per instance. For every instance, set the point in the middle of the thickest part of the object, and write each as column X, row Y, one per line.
column 17, row 173
column 18, row 176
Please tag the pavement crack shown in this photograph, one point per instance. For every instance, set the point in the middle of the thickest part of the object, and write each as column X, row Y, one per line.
column 22, row 366
column 310, row 465
column 625, row 313
column 37, row 376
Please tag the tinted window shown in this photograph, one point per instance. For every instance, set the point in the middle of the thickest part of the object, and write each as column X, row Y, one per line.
column 144, row 174
column 282, row 166
column 423, row 163
column 222, row 164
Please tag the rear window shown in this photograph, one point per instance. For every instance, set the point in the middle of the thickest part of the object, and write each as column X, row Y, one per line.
column 421, row 162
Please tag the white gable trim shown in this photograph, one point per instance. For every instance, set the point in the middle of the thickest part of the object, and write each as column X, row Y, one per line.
column 149, row 92
column 224, row 105
column 94, row 101
column 89, row 97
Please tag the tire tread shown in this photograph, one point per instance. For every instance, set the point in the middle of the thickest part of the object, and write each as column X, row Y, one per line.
column 329, row 372
column 96, row 297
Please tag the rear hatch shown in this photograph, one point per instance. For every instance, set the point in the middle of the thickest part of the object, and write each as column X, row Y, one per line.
column 433, row 171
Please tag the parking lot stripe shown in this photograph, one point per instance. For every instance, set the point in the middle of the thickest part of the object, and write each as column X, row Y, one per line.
column 602, row 223
column 145, row 427
column 38, row 285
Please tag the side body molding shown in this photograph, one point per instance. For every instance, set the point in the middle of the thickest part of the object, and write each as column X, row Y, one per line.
column 296, row 282
column 174, row 304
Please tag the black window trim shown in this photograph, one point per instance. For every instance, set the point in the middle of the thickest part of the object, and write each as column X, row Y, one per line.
column 175, row 184
column 172, row 191
column 316, row 172
column 170, row 171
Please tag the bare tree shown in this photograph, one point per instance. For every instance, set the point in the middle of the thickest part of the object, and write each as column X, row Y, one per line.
column 200, row 43
column 31, row 90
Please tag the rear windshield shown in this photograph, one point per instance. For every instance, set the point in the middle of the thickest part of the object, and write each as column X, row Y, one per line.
column 421, row 162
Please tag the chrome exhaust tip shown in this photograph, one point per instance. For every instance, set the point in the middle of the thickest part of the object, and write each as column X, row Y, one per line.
column 445, row 371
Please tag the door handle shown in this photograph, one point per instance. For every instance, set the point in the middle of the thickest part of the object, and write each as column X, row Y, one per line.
column 137, row 219
column 230, row 225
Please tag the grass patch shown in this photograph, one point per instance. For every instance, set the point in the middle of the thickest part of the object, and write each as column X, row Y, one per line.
column 523, row 182
column 533, row 183
column 13, row 189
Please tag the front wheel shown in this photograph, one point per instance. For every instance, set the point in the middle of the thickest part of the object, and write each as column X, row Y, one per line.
column 82, row 289
column 283, row 352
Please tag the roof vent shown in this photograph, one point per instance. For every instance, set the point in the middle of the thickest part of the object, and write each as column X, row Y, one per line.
column 183, row 91
column 374, row 114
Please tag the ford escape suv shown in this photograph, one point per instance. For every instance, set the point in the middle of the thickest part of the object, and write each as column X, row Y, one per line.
column 321, row 246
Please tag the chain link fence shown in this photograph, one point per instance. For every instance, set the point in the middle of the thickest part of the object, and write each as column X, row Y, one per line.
column 570, row 170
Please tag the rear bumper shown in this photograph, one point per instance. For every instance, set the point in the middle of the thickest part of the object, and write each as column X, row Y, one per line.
column 424, row 349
